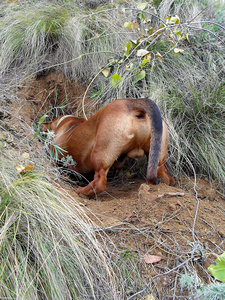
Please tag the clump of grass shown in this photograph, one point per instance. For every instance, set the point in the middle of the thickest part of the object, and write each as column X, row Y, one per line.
column 73, row 39
column 190, row 91
column 48, row 248
column 30, row 33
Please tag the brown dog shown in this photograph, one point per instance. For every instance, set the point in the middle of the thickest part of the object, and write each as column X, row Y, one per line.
column 124, row 127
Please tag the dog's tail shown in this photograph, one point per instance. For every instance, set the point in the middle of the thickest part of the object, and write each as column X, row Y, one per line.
column 148, row 106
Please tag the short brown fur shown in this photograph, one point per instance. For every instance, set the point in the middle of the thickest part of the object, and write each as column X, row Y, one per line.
column 124, row 127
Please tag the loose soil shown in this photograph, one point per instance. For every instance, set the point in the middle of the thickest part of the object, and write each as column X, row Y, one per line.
column 174, row 223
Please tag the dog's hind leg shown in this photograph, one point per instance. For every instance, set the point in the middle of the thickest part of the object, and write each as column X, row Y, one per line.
column 97, row 185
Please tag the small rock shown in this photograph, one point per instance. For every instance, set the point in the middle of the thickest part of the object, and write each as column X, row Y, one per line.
column 172, row 206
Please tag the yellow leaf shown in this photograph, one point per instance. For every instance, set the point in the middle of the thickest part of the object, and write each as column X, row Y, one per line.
column 168, row 17
column 130, row 25
column 106, row 71
column 128, row 174
column 29, row 168
column 182, row 38
column 26, row 155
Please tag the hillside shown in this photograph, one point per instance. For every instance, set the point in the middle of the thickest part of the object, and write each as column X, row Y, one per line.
column 133, row 241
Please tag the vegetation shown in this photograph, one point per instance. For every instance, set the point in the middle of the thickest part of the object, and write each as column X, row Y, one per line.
column 48, row 248
column 171, row 51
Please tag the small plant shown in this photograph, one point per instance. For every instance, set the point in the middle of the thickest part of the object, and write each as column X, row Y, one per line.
column 68, row 161
column 48, row 139
column 218, row 270
column 187, row 280
column 197, row 290
column 213, row 291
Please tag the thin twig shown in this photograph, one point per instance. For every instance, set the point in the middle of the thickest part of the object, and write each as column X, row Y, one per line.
column 160, row 275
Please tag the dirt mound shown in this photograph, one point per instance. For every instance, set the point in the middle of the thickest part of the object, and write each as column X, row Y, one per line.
column 53, row 93
column 165, row 207
column 181, row 225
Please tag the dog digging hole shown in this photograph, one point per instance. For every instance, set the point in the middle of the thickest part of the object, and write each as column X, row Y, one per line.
column 146, row 219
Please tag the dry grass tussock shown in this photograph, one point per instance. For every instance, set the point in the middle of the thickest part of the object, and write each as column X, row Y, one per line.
column 48, row 247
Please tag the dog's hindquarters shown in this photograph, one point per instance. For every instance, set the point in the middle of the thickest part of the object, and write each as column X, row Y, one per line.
column 147, row 106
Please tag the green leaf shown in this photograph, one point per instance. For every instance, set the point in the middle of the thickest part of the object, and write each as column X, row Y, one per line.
column 142, row 16
column 218, row 270
column 116, row 80
column 144, row 62
column 42, row 119
column 135, row 43
column 128, row 48
column 142, row 6
column 139, row 76
column 34, row 136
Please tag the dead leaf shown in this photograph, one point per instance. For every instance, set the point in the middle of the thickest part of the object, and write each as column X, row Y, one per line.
column 142, row 5
column 106, row 71
column 131, row 218
column 151, row 259
column 178, row 50
column 130, row 25
column 159, row 56
column 21, row 169
column 142, row 52
column 17, row 1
